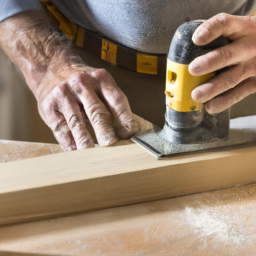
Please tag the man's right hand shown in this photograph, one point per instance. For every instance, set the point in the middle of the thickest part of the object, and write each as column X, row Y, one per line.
column 88, row 96
column 69, row 93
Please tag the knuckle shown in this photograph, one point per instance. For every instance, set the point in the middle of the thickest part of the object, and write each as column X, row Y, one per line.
column 78, row 89
column 100, row 118
column 119, row 98
column 59, row 125
column 250, row 22
column 219, row 22
column 76, row 121
column 61, row 128
column 225, row 54
column 130, row 124
column 61, row 90
column 101, row 73
column 230, row 79
column 80, row 77
column 223, row 19
column 79, row 82
column 98, row 112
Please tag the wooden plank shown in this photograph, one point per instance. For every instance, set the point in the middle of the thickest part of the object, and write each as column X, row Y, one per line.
column 11, row 150
column 198, row 224
column 106, row 177
column 16, row 150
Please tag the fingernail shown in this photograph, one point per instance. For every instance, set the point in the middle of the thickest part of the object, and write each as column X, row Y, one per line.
column 194, row 66
column 108, row 140
column 201, row 34
column 197, row 95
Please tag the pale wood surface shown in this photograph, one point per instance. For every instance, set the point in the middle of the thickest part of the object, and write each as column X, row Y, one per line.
column 100, row 178
column 221, row 222
column 16, row 150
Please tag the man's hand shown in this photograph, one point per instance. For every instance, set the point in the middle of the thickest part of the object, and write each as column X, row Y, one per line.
column 87, row 95
column 239, row 80
column 70, row 94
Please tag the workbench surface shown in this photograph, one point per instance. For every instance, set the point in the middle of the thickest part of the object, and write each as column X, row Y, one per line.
column 221, row 222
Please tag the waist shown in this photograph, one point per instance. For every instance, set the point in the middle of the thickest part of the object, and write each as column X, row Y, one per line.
column 144, row 25
column 107, row 49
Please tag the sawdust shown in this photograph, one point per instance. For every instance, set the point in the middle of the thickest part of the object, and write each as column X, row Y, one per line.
column 221, row 222
column 208, row 222
column 15, row 150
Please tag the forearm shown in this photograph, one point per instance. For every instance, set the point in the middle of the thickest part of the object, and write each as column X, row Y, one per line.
column 37, row 47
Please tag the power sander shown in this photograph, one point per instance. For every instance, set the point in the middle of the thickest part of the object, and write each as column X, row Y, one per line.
column 188, row 127
column 187, row 120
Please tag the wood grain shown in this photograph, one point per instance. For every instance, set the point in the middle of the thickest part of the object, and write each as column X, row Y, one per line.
column 105, row 177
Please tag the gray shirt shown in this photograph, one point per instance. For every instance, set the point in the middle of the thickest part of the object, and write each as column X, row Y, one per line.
column 144, row 25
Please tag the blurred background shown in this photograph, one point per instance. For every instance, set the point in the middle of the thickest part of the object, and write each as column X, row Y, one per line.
column 19, row 117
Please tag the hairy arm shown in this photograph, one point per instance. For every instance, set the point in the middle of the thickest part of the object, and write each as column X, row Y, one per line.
column 37, row 48
column 68, row 91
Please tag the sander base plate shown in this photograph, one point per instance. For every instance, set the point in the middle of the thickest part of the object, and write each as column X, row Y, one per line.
column 159, row 141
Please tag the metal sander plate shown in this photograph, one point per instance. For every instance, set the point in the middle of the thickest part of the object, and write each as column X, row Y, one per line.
column 157, row 140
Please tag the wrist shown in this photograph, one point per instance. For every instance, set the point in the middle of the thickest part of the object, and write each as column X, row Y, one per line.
column 41, row 79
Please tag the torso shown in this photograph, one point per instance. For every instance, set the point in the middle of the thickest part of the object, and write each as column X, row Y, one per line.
column 144, row 25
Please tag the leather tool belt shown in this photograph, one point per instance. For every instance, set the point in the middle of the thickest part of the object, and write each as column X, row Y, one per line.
column 106, row 49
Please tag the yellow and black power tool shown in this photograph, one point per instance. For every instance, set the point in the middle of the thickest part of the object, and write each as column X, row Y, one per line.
column 188, row 127
column 187, row 120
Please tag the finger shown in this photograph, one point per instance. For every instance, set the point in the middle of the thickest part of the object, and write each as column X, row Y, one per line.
column 76, row 122
column 236, row 52
column 61, row 131
column 221, row 83
column 57, row 123
column 63, row 134
column 221, row 24
column 96, row 111
column 231, row 97
column 125, row 122
column 131, row 124
column 143, row 124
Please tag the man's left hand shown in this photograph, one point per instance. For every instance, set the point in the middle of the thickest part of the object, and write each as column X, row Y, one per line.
column 239, row 80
